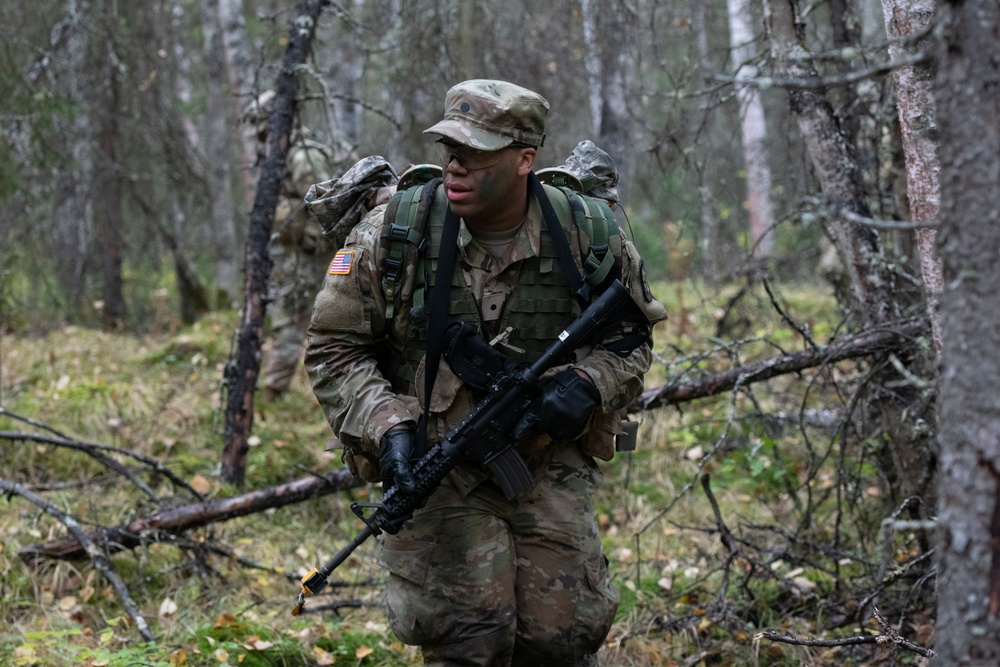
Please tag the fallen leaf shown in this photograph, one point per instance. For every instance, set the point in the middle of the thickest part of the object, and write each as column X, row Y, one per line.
column 225, row 621
column 167, row 608
column 363, row 652
column 67, row 603
column 261, row 645
column 322, row 657
column 200, row 484
column 222, row 655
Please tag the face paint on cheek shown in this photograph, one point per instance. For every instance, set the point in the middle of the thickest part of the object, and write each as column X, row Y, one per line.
column 489, row 185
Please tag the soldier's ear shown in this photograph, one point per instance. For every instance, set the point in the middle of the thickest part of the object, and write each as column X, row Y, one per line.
column 527, row 161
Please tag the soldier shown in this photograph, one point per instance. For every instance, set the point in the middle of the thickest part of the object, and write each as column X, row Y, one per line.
column 477, row 578
column 299, row 252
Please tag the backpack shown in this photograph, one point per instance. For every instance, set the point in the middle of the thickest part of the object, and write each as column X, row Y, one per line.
column 408, row 209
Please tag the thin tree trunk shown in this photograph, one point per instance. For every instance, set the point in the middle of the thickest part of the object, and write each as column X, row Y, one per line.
column 109, row 180
column 243, row 369
column 73, row 212
column 242, row 79
column 753, row 128
column 708, row 238
column 968, row 586
column 873, row 296
column 617, row 24
column 918, row 124
column 592, row 62
column 218, row 131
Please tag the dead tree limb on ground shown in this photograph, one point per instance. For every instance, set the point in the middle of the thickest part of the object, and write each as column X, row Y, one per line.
column 163, row 525
column 89, row 549
column 888, row 637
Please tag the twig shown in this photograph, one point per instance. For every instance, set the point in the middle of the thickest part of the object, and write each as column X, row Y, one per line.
column 97, row 558
column 61, row 440
column 165, row 524
column 888, row 636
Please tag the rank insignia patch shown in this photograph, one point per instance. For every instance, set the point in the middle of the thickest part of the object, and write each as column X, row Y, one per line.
column 341, row 264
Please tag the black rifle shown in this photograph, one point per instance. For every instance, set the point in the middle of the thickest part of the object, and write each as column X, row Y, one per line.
column 484, row 434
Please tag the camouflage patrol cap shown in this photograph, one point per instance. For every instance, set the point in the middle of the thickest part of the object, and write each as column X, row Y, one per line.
column 489, row 115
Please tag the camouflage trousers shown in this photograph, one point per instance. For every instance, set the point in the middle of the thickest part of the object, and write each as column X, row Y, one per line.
column 295, row 279
column 476, row 579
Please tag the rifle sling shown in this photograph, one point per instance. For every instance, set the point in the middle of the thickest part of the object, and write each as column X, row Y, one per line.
column 437, row 320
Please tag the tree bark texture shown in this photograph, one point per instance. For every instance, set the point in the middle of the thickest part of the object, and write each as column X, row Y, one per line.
column 158, row 527
column 109, row 182
column 244, row 366
column 753, row 127
column 218, row 152
column 914, row 89
column 872, row 289
column 968, row 103
column 240, row 78
column 73, row 210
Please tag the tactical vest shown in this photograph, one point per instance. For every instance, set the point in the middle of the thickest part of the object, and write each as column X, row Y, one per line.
column 538, row 309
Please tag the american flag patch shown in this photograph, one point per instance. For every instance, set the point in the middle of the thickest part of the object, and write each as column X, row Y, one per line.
column 341, row 264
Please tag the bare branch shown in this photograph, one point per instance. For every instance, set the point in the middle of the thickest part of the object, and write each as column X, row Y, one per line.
column 97, row 557
column 860, row 345
column 164, row 525
column 888, row 636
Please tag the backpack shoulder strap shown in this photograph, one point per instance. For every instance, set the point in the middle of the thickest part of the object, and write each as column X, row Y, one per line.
column 593, row 217
column 403, row 241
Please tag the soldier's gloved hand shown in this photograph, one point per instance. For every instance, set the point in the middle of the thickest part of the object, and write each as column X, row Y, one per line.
column 563, row 408
column 395, row 449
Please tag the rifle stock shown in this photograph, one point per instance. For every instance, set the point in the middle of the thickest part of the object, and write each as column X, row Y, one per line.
column 484, row 434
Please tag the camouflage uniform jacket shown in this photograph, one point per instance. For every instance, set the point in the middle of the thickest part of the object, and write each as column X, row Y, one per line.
column 350, row 339
column 307, row 163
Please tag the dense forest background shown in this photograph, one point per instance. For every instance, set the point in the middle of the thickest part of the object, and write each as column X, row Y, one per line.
column 811, row 183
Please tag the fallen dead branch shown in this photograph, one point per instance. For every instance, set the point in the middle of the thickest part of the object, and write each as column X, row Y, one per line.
column 88, row 548
column 163, row 525
column 96, row 451
column 887, row 636
column 861, row 345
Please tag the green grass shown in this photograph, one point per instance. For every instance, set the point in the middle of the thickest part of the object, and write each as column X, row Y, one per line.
column 159, row 396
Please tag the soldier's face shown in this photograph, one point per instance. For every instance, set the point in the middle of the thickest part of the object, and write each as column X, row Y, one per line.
column 480, row 186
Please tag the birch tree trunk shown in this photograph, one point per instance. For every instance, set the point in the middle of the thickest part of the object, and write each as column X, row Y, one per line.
column 242, row 81
column 217, row 151
column 872, row 291
column 918, row 124
column 592, row 62
column 753, row 128
column 968, row 620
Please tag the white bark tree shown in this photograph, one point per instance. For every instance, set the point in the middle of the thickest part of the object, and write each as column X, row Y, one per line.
column 753, row 128
column 242, row 84
column 217, row 151
column 914, row 89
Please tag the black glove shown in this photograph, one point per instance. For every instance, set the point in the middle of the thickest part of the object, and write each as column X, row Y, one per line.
column 395, row 449
column 563, row 408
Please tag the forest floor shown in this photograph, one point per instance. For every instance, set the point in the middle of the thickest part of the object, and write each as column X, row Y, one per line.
column 802, row 527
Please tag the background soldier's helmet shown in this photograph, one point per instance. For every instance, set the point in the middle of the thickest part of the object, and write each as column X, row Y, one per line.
column 588, row 169
column 256, row 114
